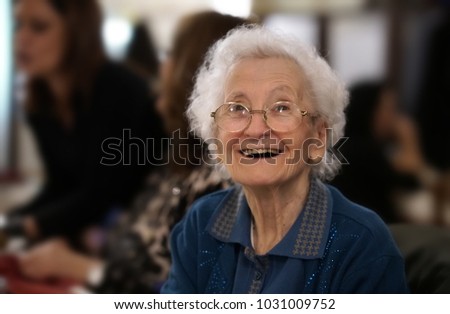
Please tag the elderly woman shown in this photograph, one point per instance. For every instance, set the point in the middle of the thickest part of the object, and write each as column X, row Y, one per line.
column 266, row 103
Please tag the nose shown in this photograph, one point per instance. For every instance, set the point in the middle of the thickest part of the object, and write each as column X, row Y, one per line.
column 258, row 125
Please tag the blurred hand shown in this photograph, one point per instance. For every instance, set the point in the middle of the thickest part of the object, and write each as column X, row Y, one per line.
column 408, row 157
column 55, row 259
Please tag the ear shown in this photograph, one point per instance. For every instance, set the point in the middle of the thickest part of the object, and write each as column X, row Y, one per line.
column 321, row 127
column 316, row 152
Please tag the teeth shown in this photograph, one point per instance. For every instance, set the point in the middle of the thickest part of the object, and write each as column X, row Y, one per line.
column 260, row 151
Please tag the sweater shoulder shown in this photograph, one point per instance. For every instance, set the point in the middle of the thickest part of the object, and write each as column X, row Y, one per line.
column 353, row 218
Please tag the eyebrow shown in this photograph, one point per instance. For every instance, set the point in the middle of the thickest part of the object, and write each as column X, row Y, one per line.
column 235, row 95
column 281, row 88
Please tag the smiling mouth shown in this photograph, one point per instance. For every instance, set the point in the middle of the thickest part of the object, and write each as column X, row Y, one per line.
column 261, row 153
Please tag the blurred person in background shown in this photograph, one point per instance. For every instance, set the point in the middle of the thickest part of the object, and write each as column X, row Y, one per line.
column 141, row 55
column 75, row 100
column 136, row 257
column 382, row 151
column 432, row 111
column 433, row 105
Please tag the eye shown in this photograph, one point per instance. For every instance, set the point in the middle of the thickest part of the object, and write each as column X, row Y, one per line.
column 39, row 26
column 281, row 107
column 236, row 109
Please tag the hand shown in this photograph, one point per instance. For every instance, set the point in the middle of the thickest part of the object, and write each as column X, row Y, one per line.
column 55, row 259
column 30, row 227
column 408, row 158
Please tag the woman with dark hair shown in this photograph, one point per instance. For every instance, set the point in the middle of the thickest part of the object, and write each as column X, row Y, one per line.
column 141, row 55
column 192, row 39
column 75, row 100
column 136, row 258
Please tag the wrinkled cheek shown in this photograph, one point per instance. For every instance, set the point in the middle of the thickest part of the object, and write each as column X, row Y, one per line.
column 231, row 158
column 234, row 163
column 297, row 160
column 295, row 157
column 295, row 169
column 225, row 150
column 233, row 170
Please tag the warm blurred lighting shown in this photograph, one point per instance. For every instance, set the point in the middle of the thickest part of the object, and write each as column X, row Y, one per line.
column 117, row 33
column 303, row 27
column 240, row 8
column 306, row 6
column 358, row 46
column 6, row 81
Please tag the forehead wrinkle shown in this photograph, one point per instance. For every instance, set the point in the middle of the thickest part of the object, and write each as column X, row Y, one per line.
column 233, row 95
column 283, row 81
column 284, row 88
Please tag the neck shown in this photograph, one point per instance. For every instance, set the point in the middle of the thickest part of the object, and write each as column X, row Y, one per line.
column 274, row 210
column 60, row 86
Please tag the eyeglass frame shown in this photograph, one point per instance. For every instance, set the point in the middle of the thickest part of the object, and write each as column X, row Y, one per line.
column 303, row 113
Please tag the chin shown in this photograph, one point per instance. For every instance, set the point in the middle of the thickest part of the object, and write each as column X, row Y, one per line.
column 258, row 174
column 256, row 182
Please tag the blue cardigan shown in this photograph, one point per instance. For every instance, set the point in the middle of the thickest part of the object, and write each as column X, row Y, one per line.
column 334, row 246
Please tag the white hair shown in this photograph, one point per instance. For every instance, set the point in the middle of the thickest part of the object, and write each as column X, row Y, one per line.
column 325, row 89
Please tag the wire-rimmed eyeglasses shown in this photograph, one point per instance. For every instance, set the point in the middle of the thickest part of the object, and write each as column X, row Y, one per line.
column 281, row 116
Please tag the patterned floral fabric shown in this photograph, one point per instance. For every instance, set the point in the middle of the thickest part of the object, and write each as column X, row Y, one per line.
column 138, row 253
